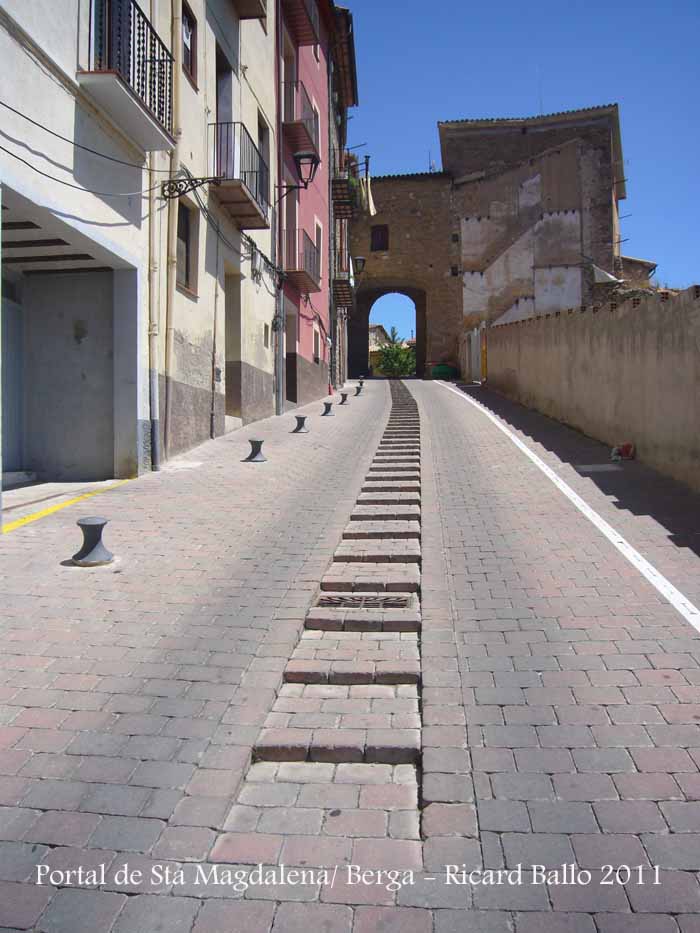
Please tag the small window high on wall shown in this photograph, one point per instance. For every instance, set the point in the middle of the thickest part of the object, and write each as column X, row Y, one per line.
column 189, row 43
column 186, row 248
column 380, row 238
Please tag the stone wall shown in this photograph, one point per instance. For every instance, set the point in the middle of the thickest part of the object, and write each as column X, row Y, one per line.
column 619, row 373
column 420, row 261
column 507, row 231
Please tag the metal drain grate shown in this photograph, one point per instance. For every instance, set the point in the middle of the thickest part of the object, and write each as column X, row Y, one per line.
column 373, row 601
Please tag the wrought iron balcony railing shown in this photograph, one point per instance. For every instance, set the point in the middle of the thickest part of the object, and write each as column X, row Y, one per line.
column 313, row 14
column 345, row 164
column 343, row 278
column 303, row 18
column 343, row 264
column 237, row 158
column 345, row 184
column 301, row 260
column 124, row 42
column 299, row 118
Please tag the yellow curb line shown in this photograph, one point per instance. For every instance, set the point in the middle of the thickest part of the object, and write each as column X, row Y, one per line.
column 35, row 516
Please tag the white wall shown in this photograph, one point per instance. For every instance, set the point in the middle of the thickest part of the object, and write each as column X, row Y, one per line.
column 557, row 288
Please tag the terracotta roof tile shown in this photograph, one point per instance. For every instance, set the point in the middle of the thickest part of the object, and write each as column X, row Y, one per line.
column 531, row 119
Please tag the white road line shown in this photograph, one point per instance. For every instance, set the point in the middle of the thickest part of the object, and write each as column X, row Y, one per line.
column 679, row 602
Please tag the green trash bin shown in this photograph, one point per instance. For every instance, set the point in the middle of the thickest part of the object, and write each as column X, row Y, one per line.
column 444, row 371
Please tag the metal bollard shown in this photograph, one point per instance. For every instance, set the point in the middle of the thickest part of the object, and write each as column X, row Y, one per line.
column 301, row 425
column 327, row 413
column 93, row 553
column 343, row 398
column 256, row 455
column 358, row 390
column 362, row 382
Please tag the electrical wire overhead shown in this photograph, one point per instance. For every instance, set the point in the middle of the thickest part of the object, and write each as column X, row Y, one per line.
column 72, row 142
column 69, row 184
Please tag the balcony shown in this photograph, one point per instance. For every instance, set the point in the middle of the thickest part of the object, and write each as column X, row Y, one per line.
column 343, row 279
column 302, row 19
column 130, row 74
column 301, row 261
column 251, row 9
column 345, row 184
column 243, row 174
column 299, row 119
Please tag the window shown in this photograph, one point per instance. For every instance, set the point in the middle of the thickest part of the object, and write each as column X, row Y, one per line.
column 317, row 346
column 185, row 265
column 380, row 238
column 266, row 336
column 189, row 43
column 317, row 129
column 264, row 150
column 319, row 250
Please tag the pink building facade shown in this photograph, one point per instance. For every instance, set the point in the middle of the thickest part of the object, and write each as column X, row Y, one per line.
column 305, row 217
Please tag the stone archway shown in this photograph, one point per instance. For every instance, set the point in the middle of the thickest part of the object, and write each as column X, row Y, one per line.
column 410, row 243
column 358, row 326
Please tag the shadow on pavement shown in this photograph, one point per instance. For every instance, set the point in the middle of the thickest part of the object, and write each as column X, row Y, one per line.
column 636, row 488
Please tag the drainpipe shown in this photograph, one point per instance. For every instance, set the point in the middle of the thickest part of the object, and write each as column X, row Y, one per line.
column 212, row 413
column 279, row 301
column 333, row 136
column 153, row 388
column 153, row 393
column 171, row 270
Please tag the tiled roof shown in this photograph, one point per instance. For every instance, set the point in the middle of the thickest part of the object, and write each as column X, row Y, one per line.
column 412, row 175
column 542, row 116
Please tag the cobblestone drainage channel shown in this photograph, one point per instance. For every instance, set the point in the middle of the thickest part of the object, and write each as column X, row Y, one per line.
column 336, row 773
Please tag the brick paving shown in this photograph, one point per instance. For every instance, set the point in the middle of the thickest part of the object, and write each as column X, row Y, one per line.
column 280, row 675
column 554, row 675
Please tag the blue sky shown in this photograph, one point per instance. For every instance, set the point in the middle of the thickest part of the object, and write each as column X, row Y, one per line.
column 423, row 62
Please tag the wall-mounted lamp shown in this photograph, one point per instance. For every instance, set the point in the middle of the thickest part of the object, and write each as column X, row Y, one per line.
column 359, row 264
column 306, row 164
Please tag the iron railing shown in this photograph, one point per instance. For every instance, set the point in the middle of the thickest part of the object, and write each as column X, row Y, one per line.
column 297, row 108
column 343, row 265
column 237, row 157
column 301, row 254
column 312, row 10
column 310, row 31
column 122, row 40
column 345, row 164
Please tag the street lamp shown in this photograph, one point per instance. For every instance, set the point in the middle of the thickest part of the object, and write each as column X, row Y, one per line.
column 307, row 164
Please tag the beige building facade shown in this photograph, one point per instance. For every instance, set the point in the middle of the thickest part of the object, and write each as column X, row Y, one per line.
column 140, row 191
column 216, row 342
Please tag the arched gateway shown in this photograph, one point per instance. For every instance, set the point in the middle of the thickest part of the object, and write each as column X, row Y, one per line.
column 358, row 325
column 396, row 244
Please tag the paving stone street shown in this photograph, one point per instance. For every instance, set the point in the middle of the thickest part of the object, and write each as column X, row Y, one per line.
column 392, row 679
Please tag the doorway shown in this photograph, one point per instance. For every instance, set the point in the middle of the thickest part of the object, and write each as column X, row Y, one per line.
column 234, row 374
column 12, row 385
column 291, row 338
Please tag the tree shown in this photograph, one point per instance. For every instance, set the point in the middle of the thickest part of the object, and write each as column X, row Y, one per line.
column 394, row 358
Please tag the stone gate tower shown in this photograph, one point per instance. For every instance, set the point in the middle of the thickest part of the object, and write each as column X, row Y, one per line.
column 523, row 220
